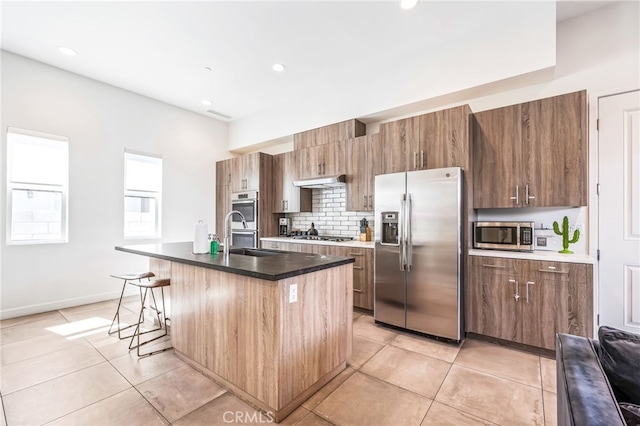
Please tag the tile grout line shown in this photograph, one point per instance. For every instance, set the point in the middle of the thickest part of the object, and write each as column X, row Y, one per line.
column 544, row 411
column 127, row 380
column 64, row 375
column 4, row 411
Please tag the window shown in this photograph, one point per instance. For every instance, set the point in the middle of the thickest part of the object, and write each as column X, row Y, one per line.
column 142, row 195
column 37, row 187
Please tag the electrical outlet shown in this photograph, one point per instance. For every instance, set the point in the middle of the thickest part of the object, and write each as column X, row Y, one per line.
column 578, row 226
column 293, row 293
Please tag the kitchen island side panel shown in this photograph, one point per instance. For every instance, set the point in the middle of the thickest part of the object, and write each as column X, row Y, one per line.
column 245, row 331
column 226, row 323
column 316, row 331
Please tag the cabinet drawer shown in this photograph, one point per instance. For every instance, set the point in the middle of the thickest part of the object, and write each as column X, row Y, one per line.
column 496, row 265
column 551, row 270
column 357, row 254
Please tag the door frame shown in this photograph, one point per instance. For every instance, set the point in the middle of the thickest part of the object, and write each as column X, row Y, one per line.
column 594, row 202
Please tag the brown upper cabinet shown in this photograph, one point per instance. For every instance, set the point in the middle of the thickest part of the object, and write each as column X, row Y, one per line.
column 532, row 154
column 333, row 133
column 286, row 197
column 429, row 141
column 398, row 142
column 245, row 173
column 362, row 154
column 322, row 160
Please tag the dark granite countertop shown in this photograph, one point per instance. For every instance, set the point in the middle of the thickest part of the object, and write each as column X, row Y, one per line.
column 272, row 268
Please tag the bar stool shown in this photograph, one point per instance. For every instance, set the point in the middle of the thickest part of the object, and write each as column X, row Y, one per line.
column 127, row 278
column 150, row 286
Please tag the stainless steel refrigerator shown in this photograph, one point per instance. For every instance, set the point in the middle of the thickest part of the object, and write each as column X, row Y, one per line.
column 418, row 245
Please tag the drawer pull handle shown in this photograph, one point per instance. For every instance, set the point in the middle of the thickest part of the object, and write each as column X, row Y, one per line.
column 553, row 272
column 358, row 267
column 551, row 267
column 494, row 266
column 356, row 254
column 357, row 291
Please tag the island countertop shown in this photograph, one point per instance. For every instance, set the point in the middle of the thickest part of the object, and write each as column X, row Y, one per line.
column 271, row 268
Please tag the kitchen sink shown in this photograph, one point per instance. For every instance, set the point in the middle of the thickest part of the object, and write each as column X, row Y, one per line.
column 253, row 252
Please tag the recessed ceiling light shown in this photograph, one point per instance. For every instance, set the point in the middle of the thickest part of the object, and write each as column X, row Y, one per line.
column 67, row 51
column 206, row 102
column 408, row 4
column 279, row 67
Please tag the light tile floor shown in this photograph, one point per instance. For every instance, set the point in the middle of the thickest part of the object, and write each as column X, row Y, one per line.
column 62, row 368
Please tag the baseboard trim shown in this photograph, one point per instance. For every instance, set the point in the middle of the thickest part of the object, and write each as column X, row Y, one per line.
column 60, row 304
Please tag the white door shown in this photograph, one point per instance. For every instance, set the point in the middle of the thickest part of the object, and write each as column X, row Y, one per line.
column 619, row 210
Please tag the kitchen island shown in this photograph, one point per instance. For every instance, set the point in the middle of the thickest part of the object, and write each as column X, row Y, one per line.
column 272, row 327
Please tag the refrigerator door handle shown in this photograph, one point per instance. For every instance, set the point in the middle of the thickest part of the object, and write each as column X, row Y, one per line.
column 408, row 236
column 401, row 237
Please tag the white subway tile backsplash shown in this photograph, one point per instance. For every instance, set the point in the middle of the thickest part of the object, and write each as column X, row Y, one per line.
column 330, row 215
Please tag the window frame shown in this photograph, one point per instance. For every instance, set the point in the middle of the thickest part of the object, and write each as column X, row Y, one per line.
column 141, row 193
column 12, row 185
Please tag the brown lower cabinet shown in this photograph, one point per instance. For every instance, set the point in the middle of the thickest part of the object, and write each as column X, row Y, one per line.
column 362, row 268
column 529, row 301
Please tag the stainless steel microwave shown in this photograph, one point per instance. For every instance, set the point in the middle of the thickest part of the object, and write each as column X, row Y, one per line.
column 516, row 236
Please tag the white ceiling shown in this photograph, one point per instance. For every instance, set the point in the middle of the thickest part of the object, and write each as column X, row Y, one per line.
column 160, row 49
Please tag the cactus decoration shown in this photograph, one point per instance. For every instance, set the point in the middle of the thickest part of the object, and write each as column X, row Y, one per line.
column 565, row 235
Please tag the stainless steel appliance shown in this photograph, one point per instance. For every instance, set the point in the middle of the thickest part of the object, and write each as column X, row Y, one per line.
column 418, row 250
column 514, row 236
column 244, row 238
column 247, row 204
column 284, row 226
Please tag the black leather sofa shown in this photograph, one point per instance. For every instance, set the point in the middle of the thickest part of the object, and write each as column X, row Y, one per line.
column 586, row 394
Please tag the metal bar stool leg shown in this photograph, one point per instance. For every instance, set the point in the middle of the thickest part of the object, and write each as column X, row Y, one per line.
column 116, row 318
column 138, row 331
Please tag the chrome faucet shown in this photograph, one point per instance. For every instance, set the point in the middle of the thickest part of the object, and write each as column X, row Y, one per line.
column 227, row 229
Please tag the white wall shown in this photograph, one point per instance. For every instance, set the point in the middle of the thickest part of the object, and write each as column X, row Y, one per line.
column 598, row 51
column 100, row 122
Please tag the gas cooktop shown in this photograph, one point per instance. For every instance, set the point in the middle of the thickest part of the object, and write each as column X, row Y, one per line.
column 321, row 238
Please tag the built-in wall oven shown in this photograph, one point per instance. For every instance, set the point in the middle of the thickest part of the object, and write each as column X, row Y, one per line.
column 244, row 238
column 246, row 203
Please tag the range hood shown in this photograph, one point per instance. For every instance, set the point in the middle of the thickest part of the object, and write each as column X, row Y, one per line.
column 321, row 182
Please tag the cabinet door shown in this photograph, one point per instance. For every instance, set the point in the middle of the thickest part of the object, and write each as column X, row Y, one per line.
column 497, row 155
column 223, row 172
column 310, row 162
column 359, row 174
column 374, row 155
column 541, row 301
column 362, row 275
column 554, row 151
column 223, row 206
column 286, row 197
column 250, row 171
column 279, row 183
column 444, row 138
column 334, row 159
column 399, row 141
column 494, row 290
column 574, row 296
column 245, row 173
